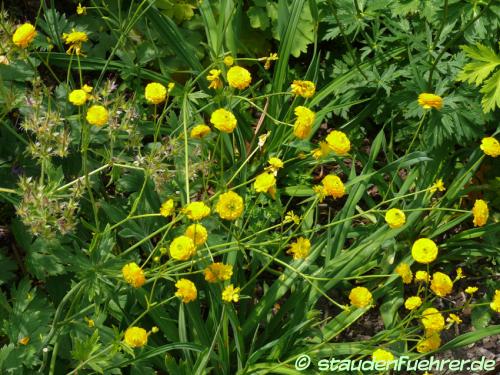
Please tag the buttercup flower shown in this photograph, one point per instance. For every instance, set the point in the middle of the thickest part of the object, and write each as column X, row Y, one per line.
column 133, row 274
column 155, row 93
column 322, row 151
column 230, row 206
column 404, row 271
column 306, row 89
column 186, row 290
column 218, row 272
column 167, row 208
column 275, row 164
column 304, row 122
column 432, row 320
column 272, row 57
column 422, row 277
column 471, row 290
column 238, row 77
column 291, row 217
column 196, row 210
column 24, row 341
column 495, row 304
column 452, row 318
column 428, row 101
column 300, row 248
column 214, row 78
column 438, row 185
column 228, row 60
column 231, row 294
column 81, row 10
column 78, row 97
column 412, row 303
column 198, row 233
column 338, row 142
column 24, row 35
column 182, row 248
column 441, row 284
column 429, row 343
column 136, row 337
column 424, row 250
column 360, row 297
column 200, row 131
column 333, row 186
column 223, row 120
column 395, row 218
column 480, row 212
column 490, row 146
column 265, row 183
column 75, row 40
column 381, row 355
column 97, row 115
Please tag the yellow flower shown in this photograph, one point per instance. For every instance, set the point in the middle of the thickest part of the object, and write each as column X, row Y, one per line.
column 422, row 277
column 223, row 120
column 81, row 10
column 218, row 272
column 214, row 78
column 438, row 185
column 155, row 93
column 238, row 77
column 490, row 146
column 186, row 290
column 182, row 248
column 167, row 208
column 133, row 274
column 428, row 101
column 441, row 284
column 272, row 57
column 200, row 131
column 265, row 183
column 471, row 290
column 231, row 294
column 381, row 355
column 432, row 320
column 300, row 248
column 170, row 87
column 75, row 40
column 338, row 142
column 322, row 151
column 87, row 88
column 24, row 341
column 97, row 115
column 360, row 297
column 291, row 217
column 452, row 318
column 424, row 250
column 196, row 210
column 24, row 35
column 230, row 206
column 412, row 303
column 429, row 343
column 275, row 164
column 90, row 322
column 333, row 186
column 304, row 122
column 404, row 271
column 395, row 218
column 495, row 304
column 78, row 97
column 320, row 192
column 306, row 89
column 460, row 274
column 136, row 337
column 228, row 60
column 198, row 233
column 480, row 213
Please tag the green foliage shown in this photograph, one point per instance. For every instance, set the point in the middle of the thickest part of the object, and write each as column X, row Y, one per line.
column 79, row 202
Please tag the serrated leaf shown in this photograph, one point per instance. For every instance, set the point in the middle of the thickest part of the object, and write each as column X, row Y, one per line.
column 491, row 91
column 476, row 72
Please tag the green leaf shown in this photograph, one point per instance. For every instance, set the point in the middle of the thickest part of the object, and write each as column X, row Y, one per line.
column 258, row 18
column 491, row 91
column 476, row 72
